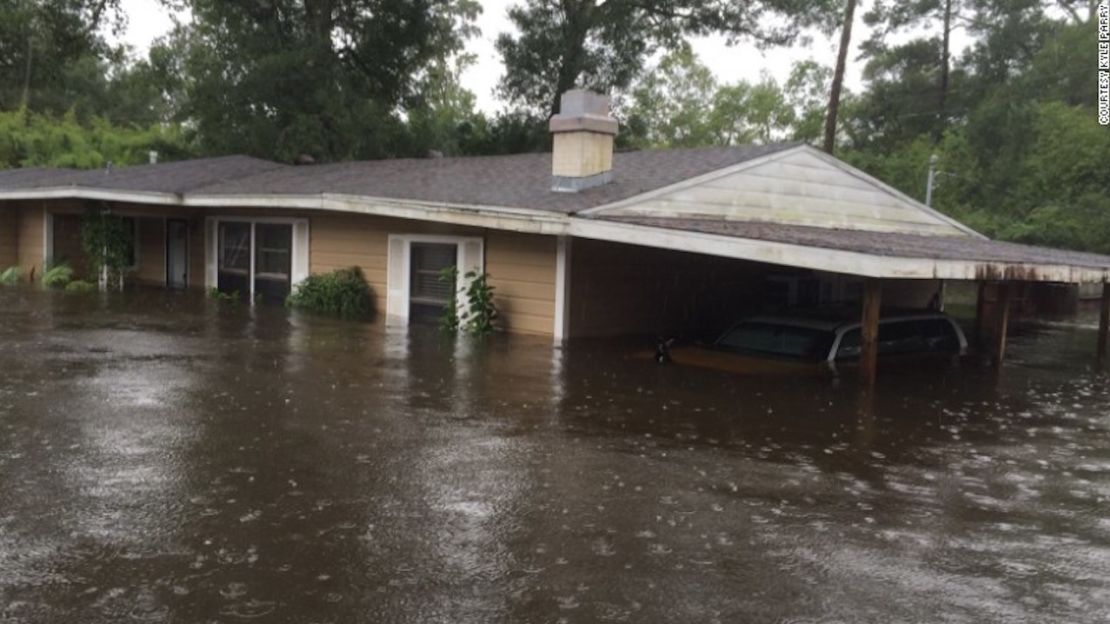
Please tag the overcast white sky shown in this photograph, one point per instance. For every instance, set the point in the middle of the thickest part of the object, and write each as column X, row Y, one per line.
column 149, row 20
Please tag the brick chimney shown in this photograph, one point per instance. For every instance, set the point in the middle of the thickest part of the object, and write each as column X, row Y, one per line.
column 582, row 154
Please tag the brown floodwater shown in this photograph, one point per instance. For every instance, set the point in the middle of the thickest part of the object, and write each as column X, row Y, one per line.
column 165, row 458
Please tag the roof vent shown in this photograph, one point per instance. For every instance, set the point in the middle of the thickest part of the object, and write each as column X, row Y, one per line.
column 582, row 145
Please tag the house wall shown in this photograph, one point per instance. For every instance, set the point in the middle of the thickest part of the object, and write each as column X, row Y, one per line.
column 521, row 266
column 9, row 236
column 31, row 239
column 67, row 244
column 627, row 289
column 150, row 246
column 624, row 289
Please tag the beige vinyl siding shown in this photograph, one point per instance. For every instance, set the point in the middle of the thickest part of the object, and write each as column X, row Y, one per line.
column 521, row 266
column 31, row 240
column 799, row 189
column 151, row 249
column 9, row 235
column 522, row 271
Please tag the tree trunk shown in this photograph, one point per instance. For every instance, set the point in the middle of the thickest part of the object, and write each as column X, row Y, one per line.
column 576, row 24
column 838, row 76
column 942, row 113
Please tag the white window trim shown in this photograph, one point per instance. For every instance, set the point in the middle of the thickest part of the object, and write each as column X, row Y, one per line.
column 402, row 290
column 166, row 250
column 212, row 254
column 564, row 245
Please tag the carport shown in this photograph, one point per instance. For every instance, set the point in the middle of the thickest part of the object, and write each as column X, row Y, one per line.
column 901, row 268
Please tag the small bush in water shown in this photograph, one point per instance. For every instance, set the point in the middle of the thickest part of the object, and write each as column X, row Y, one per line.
column 57, row 276
column 219, row 295
column 10, row 276
column 343, row 292
column 80, row 286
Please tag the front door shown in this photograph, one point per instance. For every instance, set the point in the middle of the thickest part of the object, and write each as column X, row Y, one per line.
column 177, row 253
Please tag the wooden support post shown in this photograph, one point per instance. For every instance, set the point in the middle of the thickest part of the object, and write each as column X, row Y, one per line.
column 1104, row 321
column 1001, row 323
column 869, row 331
column 980, row 314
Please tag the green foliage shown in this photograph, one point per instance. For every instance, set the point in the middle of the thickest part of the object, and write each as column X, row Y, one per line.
column 669, row 107
column 44, row 42
column 603, row 45
column 218, row 295
column 11, row 276
column 30, row 139
column 108, row 241
column 57, row 276
column 449, row 320
column 80, row 286
column 480, row 313
column 343, row 292
column 332, row 77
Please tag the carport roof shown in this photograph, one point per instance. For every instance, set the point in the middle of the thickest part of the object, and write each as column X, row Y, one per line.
column 886, row 244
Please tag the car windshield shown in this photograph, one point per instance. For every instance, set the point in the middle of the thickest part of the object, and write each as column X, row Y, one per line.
column 777, row 339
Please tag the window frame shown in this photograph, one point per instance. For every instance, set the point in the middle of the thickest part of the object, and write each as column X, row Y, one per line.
column 300, row 263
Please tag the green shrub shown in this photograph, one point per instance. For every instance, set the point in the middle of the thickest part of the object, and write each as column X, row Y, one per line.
column 57, row 276
column 80, row 286
column 219, row 295
column 10, row 276
column 480, row 311
column 343, row 292
column 449, row 318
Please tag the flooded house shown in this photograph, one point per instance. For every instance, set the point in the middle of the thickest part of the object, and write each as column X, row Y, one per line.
column 585, row 241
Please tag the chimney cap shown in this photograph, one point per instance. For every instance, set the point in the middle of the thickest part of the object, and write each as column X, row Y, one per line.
column 583, row 102
column 581, row 110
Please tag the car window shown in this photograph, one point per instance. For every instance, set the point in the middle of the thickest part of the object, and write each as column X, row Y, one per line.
column 899, row 337
column 778, row 339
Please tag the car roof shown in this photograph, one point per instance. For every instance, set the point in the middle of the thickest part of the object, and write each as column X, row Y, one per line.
column 833, row 319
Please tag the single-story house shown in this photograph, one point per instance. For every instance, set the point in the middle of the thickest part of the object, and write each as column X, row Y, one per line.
column 580, row 242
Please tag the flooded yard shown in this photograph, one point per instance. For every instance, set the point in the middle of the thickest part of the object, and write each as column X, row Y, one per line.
column 165, row 458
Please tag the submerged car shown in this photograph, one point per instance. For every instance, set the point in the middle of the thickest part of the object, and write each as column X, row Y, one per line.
column 818, row 341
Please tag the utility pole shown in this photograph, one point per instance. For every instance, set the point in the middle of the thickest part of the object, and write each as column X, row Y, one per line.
column 931, row 183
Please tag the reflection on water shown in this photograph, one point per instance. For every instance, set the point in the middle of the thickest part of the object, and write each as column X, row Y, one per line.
column 167, row 458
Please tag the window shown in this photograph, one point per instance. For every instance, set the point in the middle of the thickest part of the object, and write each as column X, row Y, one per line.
column 271, row 245
column 428, row 293
column 901, row 337
column 778, row 339
column 273, row 249
column 234, row 265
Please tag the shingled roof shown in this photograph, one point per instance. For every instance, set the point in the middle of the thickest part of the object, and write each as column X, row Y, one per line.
column 516, row 181
column 172, row 177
